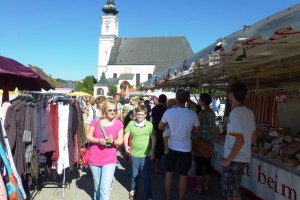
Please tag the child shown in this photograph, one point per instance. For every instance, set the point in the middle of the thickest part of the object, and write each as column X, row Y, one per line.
column 141, row 150
column 166, row 133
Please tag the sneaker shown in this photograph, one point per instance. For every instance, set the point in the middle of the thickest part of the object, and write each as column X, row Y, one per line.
column 131, row 195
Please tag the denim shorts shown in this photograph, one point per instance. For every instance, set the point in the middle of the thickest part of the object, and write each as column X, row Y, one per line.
column 231, row 179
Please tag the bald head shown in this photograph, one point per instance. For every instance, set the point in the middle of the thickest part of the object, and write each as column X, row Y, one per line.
column 181, row 96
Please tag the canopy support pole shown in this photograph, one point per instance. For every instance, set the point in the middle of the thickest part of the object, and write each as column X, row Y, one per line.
column 200, row 87
column 5, row 94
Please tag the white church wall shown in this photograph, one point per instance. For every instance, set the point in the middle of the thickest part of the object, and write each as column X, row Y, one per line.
column 143, row 70
column 104, row 88
column 105, row 46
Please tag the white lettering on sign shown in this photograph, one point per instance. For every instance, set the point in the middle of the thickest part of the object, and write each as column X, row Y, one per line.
column 264, row 179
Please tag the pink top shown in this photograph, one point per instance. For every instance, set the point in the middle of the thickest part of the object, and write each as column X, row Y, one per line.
column 100, row 155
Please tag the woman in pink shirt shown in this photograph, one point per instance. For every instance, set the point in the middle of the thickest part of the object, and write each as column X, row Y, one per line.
column 103, row 158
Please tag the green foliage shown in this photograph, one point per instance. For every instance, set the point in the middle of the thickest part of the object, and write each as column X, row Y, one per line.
column 86, row 85
column 112, row 89
column 52, row 81
column 61, row 80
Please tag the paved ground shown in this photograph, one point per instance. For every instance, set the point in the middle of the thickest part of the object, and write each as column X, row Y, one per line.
column 81, row 188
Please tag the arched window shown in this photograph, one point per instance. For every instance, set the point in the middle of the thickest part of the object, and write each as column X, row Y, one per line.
column 100, row 91
column 138, row 79
column 115, row 75
column 149, row 76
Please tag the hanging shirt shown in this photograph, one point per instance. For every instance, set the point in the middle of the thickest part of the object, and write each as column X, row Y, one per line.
column 3, row 195
column 3, row 110
column 63, row 119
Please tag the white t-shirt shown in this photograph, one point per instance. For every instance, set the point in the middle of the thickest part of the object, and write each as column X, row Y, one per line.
column 241, row 122
column 119, row 105
column 90, row 117
column 181, row 122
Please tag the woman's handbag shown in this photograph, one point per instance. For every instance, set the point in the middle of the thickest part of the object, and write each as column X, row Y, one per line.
column 202, row 147
column 84, row 155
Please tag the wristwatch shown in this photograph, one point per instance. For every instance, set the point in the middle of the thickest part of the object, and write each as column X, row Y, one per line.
column 113, row 142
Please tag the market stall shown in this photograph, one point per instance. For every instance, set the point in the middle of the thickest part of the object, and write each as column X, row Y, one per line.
column 15, row 75
column 266, row 57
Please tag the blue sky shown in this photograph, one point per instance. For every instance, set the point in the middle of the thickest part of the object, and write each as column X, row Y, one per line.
column 60, row 36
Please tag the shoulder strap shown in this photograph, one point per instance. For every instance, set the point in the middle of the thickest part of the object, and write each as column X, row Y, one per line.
column 94, row 113
column 103, row 131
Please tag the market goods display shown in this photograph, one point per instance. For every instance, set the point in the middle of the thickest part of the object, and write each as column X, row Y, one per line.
column 278, row 144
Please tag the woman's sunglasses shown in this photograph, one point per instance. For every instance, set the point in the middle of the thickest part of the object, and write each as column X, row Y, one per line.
column 112, row 110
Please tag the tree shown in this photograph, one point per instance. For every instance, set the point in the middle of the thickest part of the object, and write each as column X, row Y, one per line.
column 112, row 89
column 52, row 81
column 86, row 85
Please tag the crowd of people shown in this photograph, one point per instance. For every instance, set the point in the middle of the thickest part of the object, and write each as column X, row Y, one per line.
column 145, row 133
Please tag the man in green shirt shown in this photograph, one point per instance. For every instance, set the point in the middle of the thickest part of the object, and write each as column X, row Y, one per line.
column 141, row 150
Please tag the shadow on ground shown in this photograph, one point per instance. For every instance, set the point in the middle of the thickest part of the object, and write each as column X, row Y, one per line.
column 85, row 182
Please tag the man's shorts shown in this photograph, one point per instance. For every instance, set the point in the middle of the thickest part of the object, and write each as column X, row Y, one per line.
column 185, row 161
column 231, row 179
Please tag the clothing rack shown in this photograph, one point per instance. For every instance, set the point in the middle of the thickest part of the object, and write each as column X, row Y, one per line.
column 57, row 97
column 45, row 179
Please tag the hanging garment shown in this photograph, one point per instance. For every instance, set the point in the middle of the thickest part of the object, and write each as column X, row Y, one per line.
column 11, row 161
column 54, row 120
column 12, row 190
column 10, row 131
column 3, row 195
column 17, row 131
column 78, row 135
column 27, row 137
column 34, row 162
column 70, row 138
column 48, row 145
column 41, row 134
column 3, row 110
column 63, row 118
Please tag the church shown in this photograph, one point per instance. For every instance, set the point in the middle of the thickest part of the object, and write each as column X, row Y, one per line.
column 126, row 62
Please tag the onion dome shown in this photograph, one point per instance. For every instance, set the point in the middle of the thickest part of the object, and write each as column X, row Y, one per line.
column 110, row 8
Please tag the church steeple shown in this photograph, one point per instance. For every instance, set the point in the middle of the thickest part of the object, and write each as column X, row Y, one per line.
column 110, row 8
column 109, row 32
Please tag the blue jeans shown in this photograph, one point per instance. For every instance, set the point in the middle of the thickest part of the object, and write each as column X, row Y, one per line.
column 143, row 165
column 103, row 176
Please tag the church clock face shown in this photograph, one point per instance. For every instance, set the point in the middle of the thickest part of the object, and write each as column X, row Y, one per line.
column 107, row 22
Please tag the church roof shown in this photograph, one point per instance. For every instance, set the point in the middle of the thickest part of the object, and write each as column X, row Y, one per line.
column 164, row 52
column 107, row 81
column 126, row 76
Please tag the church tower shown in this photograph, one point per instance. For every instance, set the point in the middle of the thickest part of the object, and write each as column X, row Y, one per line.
column 109, row 31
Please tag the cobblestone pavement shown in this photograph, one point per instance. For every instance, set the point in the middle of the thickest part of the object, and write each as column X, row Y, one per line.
column 81, row 188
